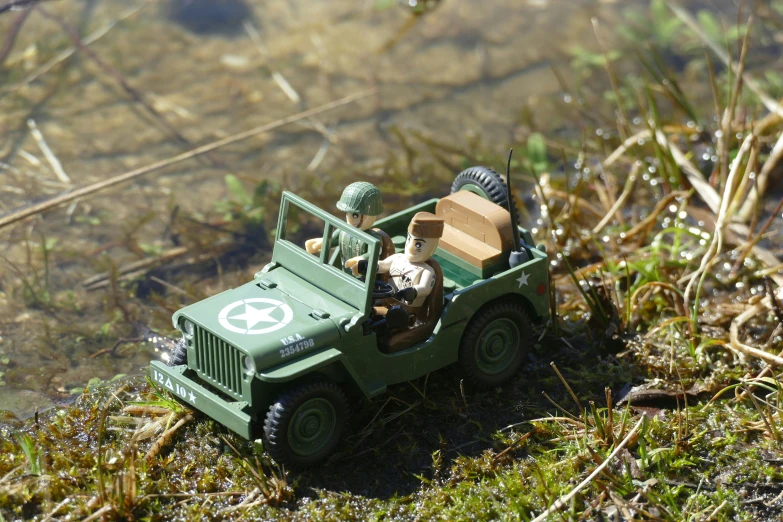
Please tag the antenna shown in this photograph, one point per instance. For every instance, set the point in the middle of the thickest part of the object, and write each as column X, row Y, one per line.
column 517, row 255
column 512, row 208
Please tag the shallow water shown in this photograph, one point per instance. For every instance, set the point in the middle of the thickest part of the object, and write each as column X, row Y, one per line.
column 460, row 77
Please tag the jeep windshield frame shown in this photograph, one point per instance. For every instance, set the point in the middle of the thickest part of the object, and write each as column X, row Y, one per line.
column 319, row 270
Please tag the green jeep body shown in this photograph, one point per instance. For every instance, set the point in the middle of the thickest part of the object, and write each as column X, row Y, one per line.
column 302, row 319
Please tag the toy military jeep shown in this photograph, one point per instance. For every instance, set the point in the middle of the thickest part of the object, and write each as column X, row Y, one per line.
column 283, row 351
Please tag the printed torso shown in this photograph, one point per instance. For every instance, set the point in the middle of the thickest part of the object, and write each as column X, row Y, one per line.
column 352, row 247
column 404, row 274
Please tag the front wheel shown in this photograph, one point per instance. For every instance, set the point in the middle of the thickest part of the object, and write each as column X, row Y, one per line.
column 305, row 424
column 495, row 344
column 179, row 355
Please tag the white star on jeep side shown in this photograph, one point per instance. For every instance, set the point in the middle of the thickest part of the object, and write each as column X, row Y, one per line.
column 523, row 279
column 253, row 316
column 192, row 397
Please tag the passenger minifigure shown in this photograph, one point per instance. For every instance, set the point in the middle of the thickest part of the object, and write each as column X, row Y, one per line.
column 362, row 203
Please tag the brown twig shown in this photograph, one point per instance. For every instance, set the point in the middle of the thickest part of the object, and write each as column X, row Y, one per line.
column 16, row 26
column 568, row 387
column 563, row 501
column 136, row 409
column 751, row 242
column 774, row 303
column 137, row 96
column 648, row 222
column 165, row 438
column 514, row 444
column 67, row 53
column 16, row 4
column 136, row 173
column 166, row 256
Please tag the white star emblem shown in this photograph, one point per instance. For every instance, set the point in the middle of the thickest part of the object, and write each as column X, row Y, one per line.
column 523, row 279
column 192, row 397
column 253, row 316
column 276, row 313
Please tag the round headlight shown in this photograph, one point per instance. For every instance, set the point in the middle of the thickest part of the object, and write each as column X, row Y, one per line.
column 188, row 327
column 250, row 364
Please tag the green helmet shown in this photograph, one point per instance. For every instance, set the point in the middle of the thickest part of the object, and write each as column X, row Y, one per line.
column 361, row 198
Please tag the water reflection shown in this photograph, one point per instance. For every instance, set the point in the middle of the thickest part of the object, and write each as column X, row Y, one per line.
column 223, row 17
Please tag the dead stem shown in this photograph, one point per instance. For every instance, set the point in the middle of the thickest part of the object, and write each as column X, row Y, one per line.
column 16, row 4
column 776, row 306
column 107, row 68
column 165, row 438
column 134, row 409
column 198, row 151
column 751, row 243
column 716, row 245
column 57, row 167
column 736, row 345
column 573, row 200
column 760, row 187
column 749, row 81
column 166, row 256
column 67, row 53
column 643, row 227
column 562, row 501
column 694, row 175
column 105, row 510
column 568, row 387
column 16, row 26
column 627, row 189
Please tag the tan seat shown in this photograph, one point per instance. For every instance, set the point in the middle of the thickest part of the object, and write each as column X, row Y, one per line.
column 427, row 317
column 387, row 245
column 477, row 231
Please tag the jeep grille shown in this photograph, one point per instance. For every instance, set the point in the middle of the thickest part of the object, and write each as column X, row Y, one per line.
column 218, row 362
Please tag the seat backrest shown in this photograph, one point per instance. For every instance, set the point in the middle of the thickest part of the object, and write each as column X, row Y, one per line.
column 476, row 231
column 433, row 306
column 387, row 245
column 478, row 218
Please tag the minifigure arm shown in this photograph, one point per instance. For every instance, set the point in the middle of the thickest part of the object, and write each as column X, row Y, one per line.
column 314, row 246
column 426, row 284
column 384, row 265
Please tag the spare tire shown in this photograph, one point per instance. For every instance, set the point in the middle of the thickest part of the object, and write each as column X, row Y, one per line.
column 486, row 183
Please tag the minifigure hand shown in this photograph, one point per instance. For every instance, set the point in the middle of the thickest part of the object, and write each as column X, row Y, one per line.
column 407, row 294
column 313, row 246
column 357, row 265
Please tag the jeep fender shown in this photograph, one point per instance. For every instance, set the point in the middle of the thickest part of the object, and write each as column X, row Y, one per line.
column 330, row 362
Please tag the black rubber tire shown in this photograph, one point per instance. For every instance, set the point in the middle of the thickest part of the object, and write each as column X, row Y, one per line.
column 486, row 180
column 179, row 355
column 282, row 413
column 503, row 314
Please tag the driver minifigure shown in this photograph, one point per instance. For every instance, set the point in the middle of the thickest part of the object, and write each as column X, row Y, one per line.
column 409, row 274
column 362, row 203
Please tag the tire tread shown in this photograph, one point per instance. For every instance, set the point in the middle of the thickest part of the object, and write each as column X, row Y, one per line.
column 275, row 436
column 474, row 329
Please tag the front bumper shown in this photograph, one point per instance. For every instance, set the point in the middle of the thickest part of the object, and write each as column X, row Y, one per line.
column 229, row 414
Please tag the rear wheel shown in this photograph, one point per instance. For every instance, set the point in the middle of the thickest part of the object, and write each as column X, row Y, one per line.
column 495, row 344
column 305, row 424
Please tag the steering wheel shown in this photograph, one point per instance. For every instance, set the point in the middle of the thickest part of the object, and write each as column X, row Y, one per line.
column 382, row 290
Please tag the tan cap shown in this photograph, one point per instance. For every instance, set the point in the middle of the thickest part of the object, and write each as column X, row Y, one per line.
column 426, row 225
